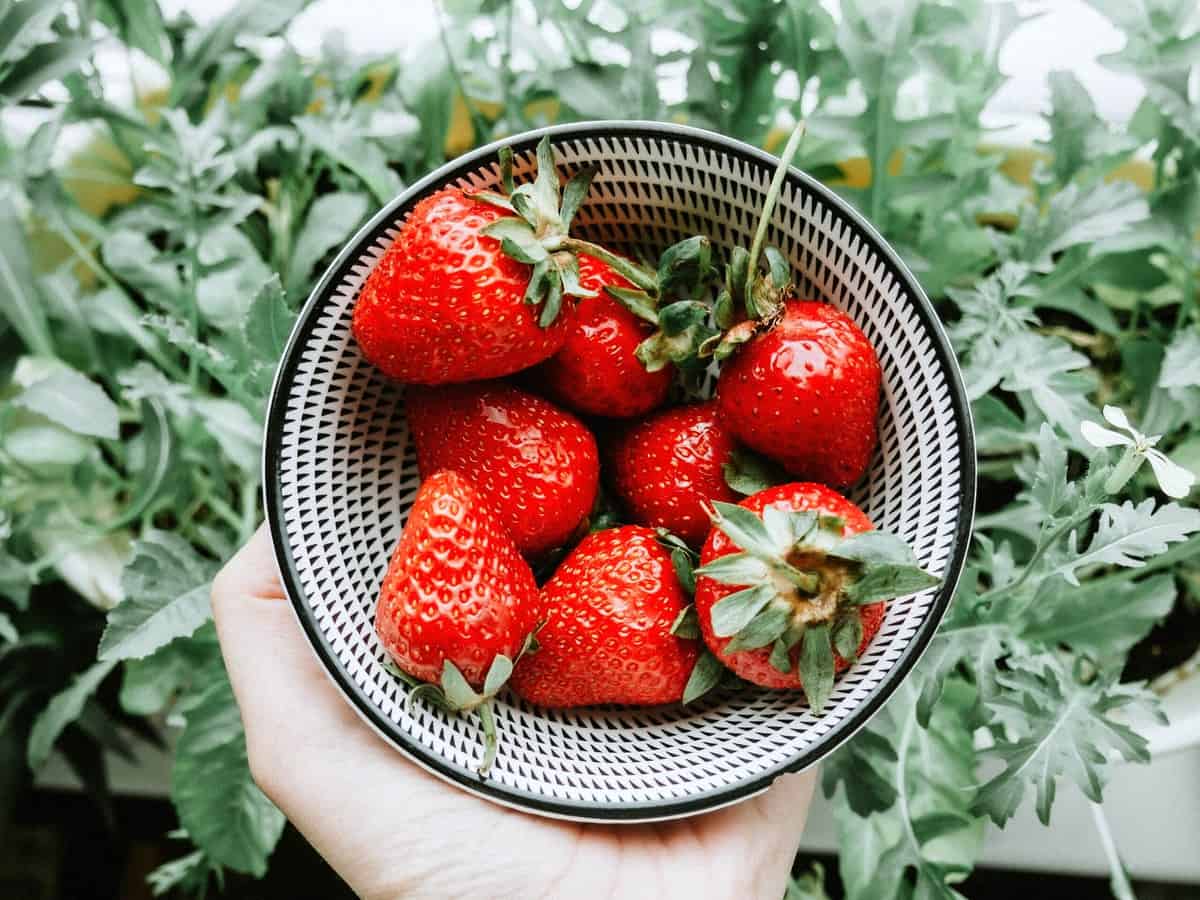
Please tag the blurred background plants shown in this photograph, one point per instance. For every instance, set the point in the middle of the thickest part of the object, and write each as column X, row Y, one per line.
column 149, row 276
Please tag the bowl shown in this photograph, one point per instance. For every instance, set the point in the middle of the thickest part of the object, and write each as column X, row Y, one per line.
column 340, row 475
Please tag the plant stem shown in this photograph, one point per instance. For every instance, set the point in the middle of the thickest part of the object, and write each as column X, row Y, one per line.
column 1118, row 877
column 768, row 210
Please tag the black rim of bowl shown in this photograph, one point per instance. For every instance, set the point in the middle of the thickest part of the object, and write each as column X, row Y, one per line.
column 467, row 779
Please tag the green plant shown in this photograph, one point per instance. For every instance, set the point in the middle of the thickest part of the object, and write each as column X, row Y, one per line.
column 139, row 341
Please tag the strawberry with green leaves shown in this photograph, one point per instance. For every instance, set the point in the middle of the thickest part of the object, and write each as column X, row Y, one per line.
column 800, row 381
column 667, row 468
column 791, row 584
column 458, row 604
column 610, row 609
column 535, row 464
column 481, row 285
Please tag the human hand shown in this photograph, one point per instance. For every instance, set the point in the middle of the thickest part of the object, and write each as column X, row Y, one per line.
column 392, row 830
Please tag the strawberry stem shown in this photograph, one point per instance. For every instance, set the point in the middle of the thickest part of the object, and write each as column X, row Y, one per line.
column 488, row 719
column 768, row 210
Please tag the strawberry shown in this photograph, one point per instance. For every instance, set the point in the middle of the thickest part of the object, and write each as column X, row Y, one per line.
column 669, row 466
column 597, row 371
column 536, row 465
column 789, row 588
column 805, row 392
column 446, row 304
column 474, row 285
column 608, row 637
column 458, row 603
column 802, row 386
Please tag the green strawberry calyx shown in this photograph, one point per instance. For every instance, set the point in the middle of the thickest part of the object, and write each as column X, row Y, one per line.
column 454, row 694
column 538, row 232
column 752, row 299
column 802, row 584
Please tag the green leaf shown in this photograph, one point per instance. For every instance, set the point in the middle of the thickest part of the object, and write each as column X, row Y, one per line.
column 150, row 683
column 459, row 694
column 44, row 63
column 1050, row 489
column 1080, row 216
column 167, row 587
column 135, row 260
column 8, row 631
column 816, row 666
column 748, row 472
column 140, row 24
column 706, row 675
column 1128, row 535
column 517, row 239
column 20, row 304
column 217, row 801
column 268, row 323
column 25, row 24
column 686, row 624
column 733, row 612
column 1062, row 727
column 239, row 436
column 681, row 562
column 1079, row 139
column 247, row 19
column 331, row 220
column 1102, row 619
column 809, row 886
column 73, row 401
column 847, row 635
column 904, row 817
column 763, row 629
column 743, row 527
column 63, row 709
column 158, row 460
column 497, row 675
column 636, row 301
column 735, row 568
column 342, row 141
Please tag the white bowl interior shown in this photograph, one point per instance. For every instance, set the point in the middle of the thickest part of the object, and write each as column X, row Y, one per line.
column 342, row 473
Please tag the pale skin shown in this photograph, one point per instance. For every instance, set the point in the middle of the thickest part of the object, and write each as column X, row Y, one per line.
column 391, row 830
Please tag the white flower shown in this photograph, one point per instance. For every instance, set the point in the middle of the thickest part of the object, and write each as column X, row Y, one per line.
column 1175, row 480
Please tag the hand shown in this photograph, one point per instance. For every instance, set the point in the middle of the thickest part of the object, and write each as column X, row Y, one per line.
column 392, row 830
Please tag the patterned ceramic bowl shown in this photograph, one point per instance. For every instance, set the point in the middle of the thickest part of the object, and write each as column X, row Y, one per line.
column 340, row 476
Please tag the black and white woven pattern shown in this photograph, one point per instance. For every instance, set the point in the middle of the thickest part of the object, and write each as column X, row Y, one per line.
column 340, row 476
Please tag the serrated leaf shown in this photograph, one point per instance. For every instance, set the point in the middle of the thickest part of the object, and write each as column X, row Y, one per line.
column 904, row 817
column 217, row 801
column 1128, row 535
column 73, row 401
column 167, row 587
column 1102, row 619
column 706, row 675
column 1062, row 727
column 1078, row 216
column 63, row 709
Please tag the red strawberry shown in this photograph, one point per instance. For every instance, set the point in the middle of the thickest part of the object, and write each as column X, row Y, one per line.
column 456, row 588
column 607, row 638
column 596, row 371
column 669, row 466
column 805, row 392
column 474, row 285
column 535, row 464
column 789, row 587
column 446, row 304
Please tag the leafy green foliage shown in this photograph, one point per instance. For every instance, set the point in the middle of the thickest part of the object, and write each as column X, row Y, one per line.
column 140, row 339
column 1062, row 726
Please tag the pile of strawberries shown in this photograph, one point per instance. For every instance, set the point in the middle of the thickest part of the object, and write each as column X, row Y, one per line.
column 599, row 422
